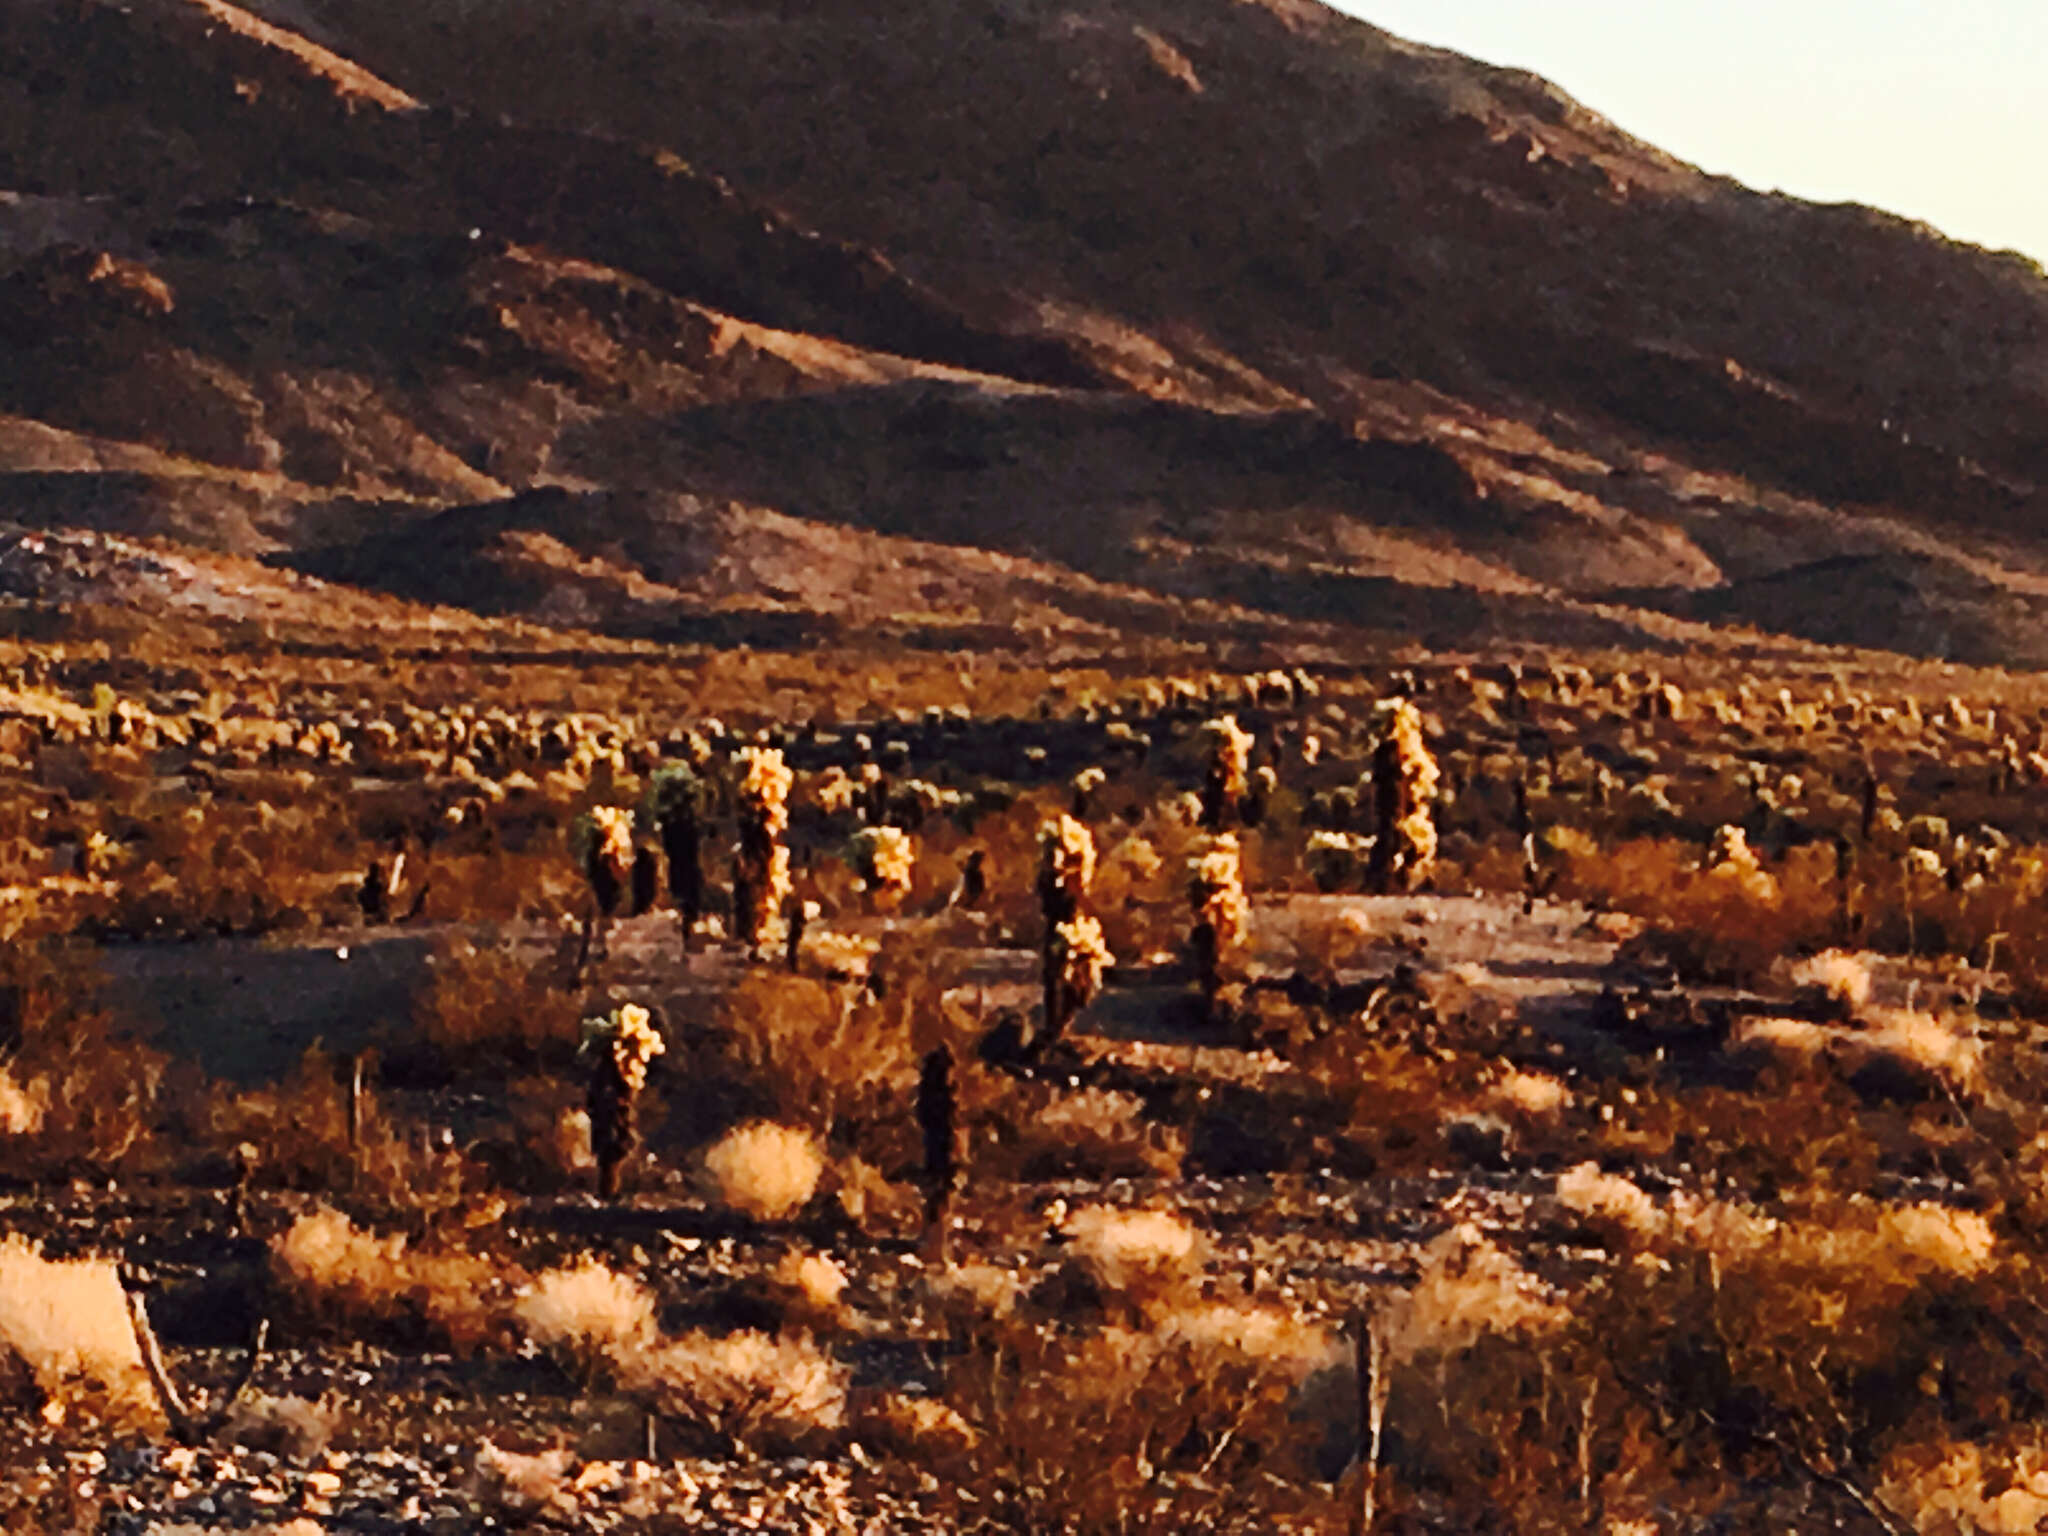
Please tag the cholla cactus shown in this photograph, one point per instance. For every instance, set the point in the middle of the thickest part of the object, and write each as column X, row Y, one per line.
column 837, row 794
column 1663, row 701
column 1085, row 785
column 624, row 1043
column 1265, row 784
column 675, row 804
column 96, row 857
column 1230, row 753
column 872, row 801
column 1918, row 867
column 1222, row 914
column 1404, row 793
column 1923, row 864
column 1729, row 846
column 1729, row 857
column 1078, row 958
column 604, row 847
column 885, row 858
column 1066, row 868
column 1334, row 858
column 1127, row 738
column 763, row 790
column 761, row 864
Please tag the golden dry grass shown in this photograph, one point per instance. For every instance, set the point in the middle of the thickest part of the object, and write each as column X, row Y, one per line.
column 1469, row 1288
column 765, row 1171
column 590, row 1312
column 339, row 1270
column 67, row 1321
column 1143, row 1256
column 745, row 1388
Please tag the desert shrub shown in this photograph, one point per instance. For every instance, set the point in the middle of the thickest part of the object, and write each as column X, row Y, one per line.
column 765, row 1171
column 295, row 1135
column 867, row 1198
column 1036, row 1131
column 1850, row 1347
column 1842, row 978
column 523, row 1488
column 923, row 1430
column 1179, row 1426
column 77, row 1093
column 818, row 1055
column 546, row 1144
column 1141, row 1258
column 66, row 1321
column 339, row 1273
column 589, row 1313
column 743, row 1391
column 1819, row 1133
column 971, row 1299
column 1395, row 1103
column 23, row 1107
column 1951, row 1487
column 1995, row 918
column 1725, row 922
column 487, row 1003
column 807, row 1289
column 296, row 1131
column 239, row 867
column 1137, row 888
column 1468, row 1288
column 1886, row 1050
column 498, row 882
column 294, row 1428
column 1532, row 1097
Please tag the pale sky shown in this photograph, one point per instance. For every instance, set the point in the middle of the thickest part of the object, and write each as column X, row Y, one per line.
column 1935, row 109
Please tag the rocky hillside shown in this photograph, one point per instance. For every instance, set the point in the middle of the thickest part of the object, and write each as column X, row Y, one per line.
column 639, row 315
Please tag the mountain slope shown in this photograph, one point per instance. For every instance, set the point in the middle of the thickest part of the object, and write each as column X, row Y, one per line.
column 1200, row 299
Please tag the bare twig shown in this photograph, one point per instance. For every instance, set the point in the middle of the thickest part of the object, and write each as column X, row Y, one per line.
column 175, row 1412
column 229, row 1403
column 1587, row 1407
column 1375, row 1384
column 187, row 1427
column 355, row 1103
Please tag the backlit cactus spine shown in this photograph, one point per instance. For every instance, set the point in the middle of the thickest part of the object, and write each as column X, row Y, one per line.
column 1228, row 776
column 761, row 881
column 623, row 1044
column 1072, row 954
column 1222, row 916
column 1404, row 776
column 886, row 860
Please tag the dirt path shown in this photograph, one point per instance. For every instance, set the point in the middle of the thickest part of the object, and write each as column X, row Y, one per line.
column 247, row 1009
